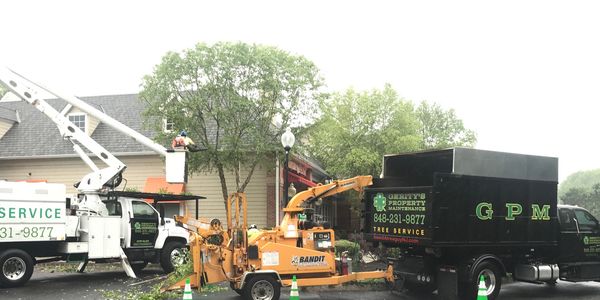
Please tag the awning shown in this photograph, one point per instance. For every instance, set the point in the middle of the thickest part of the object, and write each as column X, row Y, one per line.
column 154, row 198
column 296, row 178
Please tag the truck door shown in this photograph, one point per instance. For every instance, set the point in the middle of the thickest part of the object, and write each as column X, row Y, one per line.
column 579, row 235
column 143, row 224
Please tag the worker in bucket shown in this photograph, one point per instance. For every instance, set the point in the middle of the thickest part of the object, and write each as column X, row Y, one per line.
column 182, row 141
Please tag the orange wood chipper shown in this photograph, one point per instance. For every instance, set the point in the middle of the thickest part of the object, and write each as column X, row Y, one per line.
column 257, row 266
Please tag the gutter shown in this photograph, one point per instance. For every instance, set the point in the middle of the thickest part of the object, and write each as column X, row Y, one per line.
column 144, row 153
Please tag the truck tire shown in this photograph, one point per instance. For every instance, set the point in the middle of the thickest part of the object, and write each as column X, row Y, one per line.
column 493, row 281
column 173, row 254
column 16, row 267
column 262, row 287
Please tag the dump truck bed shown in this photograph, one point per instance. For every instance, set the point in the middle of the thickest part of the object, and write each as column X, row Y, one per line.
column 464, row 197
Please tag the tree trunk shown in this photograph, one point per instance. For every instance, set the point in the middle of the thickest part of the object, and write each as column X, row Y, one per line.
column 247, row 180
column 223, row 184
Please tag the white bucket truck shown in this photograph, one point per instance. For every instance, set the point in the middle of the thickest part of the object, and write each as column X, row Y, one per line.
column 40, row 222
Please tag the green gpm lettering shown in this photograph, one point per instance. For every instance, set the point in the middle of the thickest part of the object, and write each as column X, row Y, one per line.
column 484, row 211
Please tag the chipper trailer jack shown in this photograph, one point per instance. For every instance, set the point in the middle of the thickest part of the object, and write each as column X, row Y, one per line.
column 258, row 266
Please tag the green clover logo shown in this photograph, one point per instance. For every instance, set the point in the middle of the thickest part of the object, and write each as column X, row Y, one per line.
column 137, row 225
column 586, row 240
column 379, row 202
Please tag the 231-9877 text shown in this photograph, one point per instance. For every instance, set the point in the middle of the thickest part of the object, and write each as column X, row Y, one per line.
column 26, row 232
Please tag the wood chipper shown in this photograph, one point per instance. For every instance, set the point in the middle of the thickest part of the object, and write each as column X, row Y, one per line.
column 258, row 266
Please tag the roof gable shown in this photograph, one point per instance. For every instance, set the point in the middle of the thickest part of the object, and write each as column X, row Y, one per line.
column 36, row 135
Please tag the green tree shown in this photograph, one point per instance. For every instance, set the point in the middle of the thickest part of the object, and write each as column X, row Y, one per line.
column 588, row 198
column 582, row 189
column 229, row 96
column 584, row 180
column 356, row 129
column 441, row 128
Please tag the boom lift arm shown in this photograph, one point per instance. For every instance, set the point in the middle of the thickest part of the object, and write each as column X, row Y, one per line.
column 30, row 92
column 98, row 179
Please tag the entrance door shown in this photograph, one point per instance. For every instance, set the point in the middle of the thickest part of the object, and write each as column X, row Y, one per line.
column 143, row 224
column 570, row 245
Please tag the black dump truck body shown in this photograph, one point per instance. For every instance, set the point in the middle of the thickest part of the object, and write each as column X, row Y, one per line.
column 460, row 213
column 464, row 197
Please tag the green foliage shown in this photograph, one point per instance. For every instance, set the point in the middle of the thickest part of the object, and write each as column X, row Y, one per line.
column 587, row 198
column 441, row 129
column 356, row 129
column 226, row 96
column 132, row 189
column 154, row 292
column 164, row 191
column 345, row 245
column 583, row 180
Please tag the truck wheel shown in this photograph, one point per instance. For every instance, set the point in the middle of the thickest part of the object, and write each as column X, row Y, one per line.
column 16, row 267
column 492, row 276
column 262, row 287
column 173, row 254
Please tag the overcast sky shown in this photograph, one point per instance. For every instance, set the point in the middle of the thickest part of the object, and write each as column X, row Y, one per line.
column 523, row 74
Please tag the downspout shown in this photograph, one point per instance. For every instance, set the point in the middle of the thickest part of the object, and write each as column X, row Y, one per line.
column 277, row 188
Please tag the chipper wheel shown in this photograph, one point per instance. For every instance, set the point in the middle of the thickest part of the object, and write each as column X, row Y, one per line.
column 262, row 287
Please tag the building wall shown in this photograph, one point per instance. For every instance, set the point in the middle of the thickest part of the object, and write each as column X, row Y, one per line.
column 70, row 170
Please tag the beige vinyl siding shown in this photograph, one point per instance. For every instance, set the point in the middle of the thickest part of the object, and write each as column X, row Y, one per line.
column 4, row 127
column 90, row 122
column 70, row 170
column 209, row 186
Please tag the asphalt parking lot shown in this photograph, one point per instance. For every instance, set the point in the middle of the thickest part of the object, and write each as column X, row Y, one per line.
column 110, row 282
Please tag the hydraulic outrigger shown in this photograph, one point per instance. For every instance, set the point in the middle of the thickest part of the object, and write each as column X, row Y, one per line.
column 258, row 266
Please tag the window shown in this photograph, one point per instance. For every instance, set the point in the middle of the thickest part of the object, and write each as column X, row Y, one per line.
column 168, row 125
column 143, row 210
column 78, row 120
column 586, row 220
column 113, row 207
column 566, row 218
column 171, row 209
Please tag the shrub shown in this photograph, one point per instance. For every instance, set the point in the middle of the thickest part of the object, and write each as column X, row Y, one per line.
column 345, row 245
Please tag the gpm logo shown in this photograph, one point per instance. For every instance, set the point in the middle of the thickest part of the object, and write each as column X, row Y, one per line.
column 484, row 211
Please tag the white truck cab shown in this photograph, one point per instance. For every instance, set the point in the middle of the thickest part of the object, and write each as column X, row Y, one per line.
column 147, row 235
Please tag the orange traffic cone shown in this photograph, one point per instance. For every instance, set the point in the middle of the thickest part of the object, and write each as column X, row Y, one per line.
column 482, row 291
column 187, row 291
column 294, row 290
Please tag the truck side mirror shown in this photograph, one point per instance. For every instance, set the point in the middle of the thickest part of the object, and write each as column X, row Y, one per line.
column 161, row 209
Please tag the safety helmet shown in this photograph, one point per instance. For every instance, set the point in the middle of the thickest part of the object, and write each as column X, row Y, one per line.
column 253, row 226
column 183, row 133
